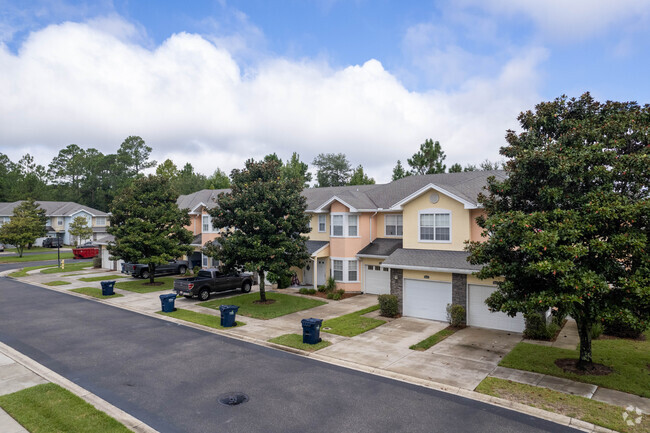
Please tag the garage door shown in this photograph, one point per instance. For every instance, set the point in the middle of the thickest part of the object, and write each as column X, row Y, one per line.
column 480, row 315
column 426, row 299
column 377, row 280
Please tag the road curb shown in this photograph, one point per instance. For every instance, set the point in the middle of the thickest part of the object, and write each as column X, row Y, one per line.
column 121, row 416
column 469, row 394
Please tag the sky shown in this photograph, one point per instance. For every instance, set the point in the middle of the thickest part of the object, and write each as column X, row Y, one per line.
column 217, row 82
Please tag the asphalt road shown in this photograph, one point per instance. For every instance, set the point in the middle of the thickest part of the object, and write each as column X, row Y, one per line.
column 170, row 376
column 7, row 266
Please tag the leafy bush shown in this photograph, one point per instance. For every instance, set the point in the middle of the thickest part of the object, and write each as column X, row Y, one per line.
column 330, row 296
column 196, row 270
column 330, row 285
column 283, row 281
column 618, row 327
column 388, row 305
column 338, row 295
column 97, row 262
column 597, row 330
column 321, row 288
column 537, row 329
column 306, row 291
column 455, row 315
column 559, row 315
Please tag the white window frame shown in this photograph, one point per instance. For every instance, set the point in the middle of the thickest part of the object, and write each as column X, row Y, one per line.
column 396, row 225
column 346, row 261
column 59, row 221
column 322, row 221
column 210, row 229
column 434, row 211
column 100, row 221
column 346, row 226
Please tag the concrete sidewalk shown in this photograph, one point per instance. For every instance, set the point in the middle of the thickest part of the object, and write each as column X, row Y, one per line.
column 14, row 377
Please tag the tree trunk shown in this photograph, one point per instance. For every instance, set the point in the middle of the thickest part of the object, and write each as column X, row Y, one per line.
column 152, row 272
column 584, row 331
column 19, row 249
column 262, row 290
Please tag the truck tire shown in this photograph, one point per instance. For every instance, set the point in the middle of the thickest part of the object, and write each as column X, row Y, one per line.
column 144, row 274
column 204, row 295
column 246, row 288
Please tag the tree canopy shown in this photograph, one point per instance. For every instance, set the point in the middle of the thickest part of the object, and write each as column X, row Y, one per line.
column 429, row 159
column 360, row 178
column 80, row 230
column 294, row 168
column 148, row 226
column 265, row 216
column 399, row 172
column 333, row 169
column 25, row 226
column 569, row 226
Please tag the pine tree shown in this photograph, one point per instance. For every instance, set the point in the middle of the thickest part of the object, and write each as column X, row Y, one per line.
column 429, row 159
column 399, row 172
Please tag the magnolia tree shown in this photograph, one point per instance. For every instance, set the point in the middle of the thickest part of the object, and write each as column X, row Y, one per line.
column 569, row 227
column 264, row 216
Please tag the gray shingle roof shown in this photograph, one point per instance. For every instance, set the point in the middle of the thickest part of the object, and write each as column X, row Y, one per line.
column 205, row 196
column 454, row 260
column 313, row 246
column 105, row 240
column 52, row 208
column 381, row 247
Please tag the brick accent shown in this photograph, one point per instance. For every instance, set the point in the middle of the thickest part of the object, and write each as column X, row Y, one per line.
column 397, row 287
column 459, row 291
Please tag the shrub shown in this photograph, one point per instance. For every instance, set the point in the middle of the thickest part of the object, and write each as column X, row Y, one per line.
column 618, row 327
column 388, row 305
column 559, row 315
column 97, row 262
column 455, row 315
column 330, row 296
column 330, row 285
column 536, row 327
column 321, row 288
column 597, row 330
column 196, row 270
column 306, row 291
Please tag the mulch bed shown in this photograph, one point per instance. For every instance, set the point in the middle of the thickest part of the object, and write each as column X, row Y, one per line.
column 267, row 302
column 570, row 365
column 323, row 295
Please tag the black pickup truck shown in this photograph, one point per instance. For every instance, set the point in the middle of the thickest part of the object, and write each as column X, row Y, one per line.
column 210, row 281
column 139, row 270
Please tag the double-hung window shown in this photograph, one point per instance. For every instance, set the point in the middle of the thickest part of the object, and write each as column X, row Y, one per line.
column 100, row 221
column 59, row 221
column 345, row 271
column 344, row 225
column 394, row 225
column 322, row 223
column 435, row 225
column 207, row 223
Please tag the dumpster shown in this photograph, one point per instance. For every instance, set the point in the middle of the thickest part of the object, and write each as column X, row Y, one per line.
column 228, row 315
column 311, row 330
column 107, row 288
column 167, row 302
column 85, row 253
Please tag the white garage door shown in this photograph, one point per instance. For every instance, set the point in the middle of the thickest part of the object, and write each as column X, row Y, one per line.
column 480, row 315
column 377, row 280
column 426, row 299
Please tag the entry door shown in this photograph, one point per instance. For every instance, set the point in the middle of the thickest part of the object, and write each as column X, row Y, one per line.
column 322, row 272
column 308, row 274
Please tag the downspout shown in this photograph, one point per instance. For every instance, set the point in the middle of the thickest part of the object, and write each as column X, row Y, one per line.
column 371, row 217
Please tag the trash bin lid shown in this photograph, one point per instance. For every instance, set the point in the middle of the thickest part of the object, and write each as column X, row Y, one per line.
column 168, row 295
column 311, row 322
column 228, row 307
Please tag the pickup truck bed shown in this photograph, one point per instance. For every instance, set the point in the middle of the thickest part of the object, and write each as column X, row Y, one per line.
column 212, row 281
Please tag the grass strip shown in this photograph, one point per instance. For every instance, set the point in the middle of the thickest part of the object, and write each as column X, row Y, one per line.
column 57, row 283
column 35, row 258
column 95, row 292
column 198, row 318
column 595, row 412
column 48, row 408
column 352, row 324
column 142, row 286
column 68, row 267
column 102, row 278
column 628, row 358
column 284, row 304
column 23, row 271
column 433, row 340
column 295, row 341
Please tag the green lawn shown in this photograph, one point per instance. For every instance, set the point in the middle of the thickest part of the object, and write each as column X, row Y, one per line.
column 35, row 258
column 433, row 340
column 295, row 341
column 595, row 412
column 31, row 250
column 48, row 408
column 68, row 267
column 629, row 359
column 199, row 318
column 352, row 324
column 94, row 291
column 23, row 271
column 105, row 278
column 141, row 286
column 284, row 304
column 57, row 283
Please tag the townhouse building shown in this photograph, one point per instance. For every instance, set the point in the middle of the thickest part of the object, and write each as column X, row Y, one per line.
column 60, row 215
column 405, row 238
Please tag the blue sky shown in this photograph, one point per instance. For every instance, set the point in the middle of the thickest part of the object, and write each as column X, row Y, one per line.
column 216, row 82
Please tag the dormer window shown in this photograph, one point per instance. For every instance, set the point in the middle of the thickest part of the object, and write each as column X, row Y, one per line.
column 394, row 225
column 435, row 225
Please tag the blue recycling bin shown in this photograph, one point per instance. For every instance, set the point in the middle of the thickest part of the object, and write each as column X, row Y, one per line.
column 167, row 302
column 228, row 315
column 107, row 288
column 311, row 330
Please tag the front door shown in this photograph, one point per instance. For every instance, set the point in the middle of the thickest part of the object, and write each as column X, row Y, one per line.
column 322, row 272
column 308, row 274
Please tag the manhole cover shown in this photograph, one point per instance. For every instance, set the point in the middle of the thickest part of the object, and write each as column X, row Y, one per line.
column 326, row 328
column 233, row 398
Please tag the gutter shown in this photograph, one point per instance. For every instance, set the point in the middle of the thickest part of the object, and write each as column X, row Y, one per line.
column 430, row 269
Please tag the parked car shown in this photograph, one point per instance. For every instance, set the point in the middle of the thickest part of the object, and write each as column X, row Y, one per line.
column 52, row 243
column 210, row 281
column 139, row 270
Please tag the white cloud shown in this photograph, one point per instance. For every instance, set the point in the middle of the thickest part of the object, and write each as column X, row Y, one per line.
column 80, row 83
column 574, row 20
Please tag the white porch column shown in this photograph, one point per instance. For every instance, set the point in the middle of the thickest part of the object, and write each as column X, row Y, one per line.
column 315, row 275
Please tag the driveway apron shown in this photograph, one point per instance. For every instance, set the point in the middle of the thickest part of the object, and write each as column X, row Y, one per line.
column 170, row 376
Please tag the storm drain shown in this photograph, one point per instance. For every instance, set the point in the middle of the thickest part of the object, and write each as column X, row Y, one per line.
column 233, row 398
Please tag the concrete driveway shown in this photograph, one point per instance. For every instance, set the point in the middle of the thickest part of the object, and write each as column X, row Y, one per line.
column 463, row 359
